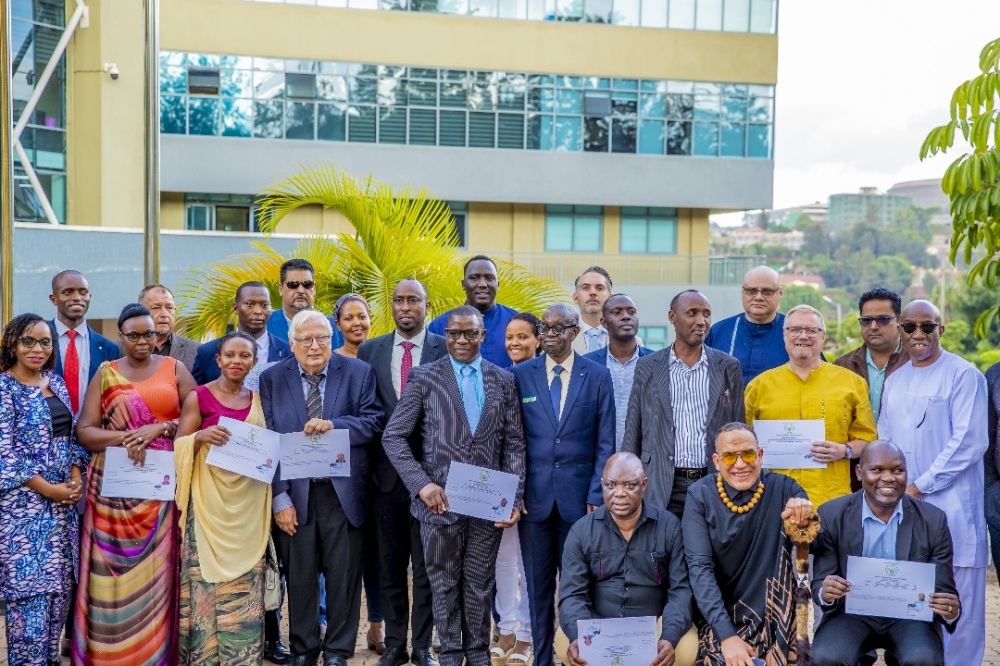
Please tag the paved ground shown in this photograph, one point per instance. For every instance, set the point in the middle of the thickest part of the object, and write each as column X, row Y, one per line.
column 365, row 657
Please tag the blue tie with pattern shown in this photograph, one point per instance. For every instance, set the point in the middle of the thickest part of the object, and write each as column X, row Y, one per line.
column 555, row 390
column 469, row 399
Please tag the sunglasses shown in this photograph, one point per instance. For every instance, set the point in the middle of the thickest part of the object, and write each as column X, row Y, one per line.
column 134, row 336
column 29, row 342
column 766, row 293
column 881, row 320
column 471, row 334
column 294, row 284
column 729, row 458
column 927, row 327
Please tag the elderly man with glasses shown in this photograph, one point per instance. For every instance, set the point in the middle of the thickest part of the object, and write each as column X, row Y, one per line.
column 935, row 409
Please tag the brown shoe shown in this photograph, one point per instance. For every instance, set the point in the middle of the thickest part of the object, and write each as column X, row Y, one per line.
column 376, row 638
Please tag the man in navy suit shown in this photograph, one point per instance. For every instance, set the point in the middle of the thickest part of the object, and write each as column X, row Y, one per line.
column 321, row 519
column 77, row 364
column 623, row 351
column 252, row 306
column 298, row 292
column 568, row 409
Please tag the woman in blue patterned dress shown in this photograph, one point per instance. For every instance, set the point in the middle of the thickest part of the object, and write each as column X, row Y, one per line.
column 40, row 481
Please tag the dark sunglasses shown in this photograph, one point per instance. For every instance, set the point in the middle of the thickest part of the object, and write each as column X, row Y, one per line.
column 134, row 336
column 294, row 284
column 471, row 334
column 927, row 327
column 29, row 342
column 729, row 458
column 881, row 320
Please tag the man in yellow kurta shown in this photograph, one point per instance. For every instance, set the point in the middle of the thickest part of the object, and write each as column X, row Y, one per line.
column 808, row 388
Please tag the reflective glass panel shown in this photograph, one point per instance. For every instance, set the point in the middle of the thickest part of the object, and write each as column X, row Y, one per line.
column 654, row 14
column 682, row 14
column 173, row 114
column 558, row 233
column 237, row 117
column 423, row 127
column 204, row 116
column 587, row 234
column 651, row 137
column 706, row 139
column 268, row 120
column 300, row 120
column 662, row 236
column 361, row 124
column 737, row 16
column 633, row 236
column 568, row 133
column 330, row 122
column 392, row 125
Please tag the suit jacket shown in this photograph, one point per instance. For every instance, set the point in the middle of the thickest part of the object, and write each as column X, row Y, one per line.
column 990, row 460
column 432, row 406
column 566, row 459
column 183, row 349
column 277, row 326
column 377, row 352
column 349, row 401
column 600, row 357
column 922, row 536
column 856, row 362
column 101, row 349
column 649, row 427
column 206, row 369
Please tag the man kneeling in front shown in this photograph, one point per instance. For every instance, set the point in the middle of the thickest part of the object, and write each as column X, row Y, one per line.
column 881, row 521
column 626, row 559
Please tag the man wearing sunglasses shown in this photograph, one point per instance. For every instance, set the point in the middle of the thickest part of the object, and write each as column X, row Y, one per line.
column 935, row 409
column 298, row 292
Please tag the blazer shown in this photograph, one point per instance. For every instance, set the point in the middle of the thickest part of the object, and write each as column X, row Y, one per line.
column 600, row 357
column 922, row 536
column 277, row 326
column 990, row 466
column 349, row 401
column 649, row 427
column 377, row 352
column 566, row 459
column 206, row 369
column 856, row 362
column 101, row 349
column 431, row 406
column 183, row 349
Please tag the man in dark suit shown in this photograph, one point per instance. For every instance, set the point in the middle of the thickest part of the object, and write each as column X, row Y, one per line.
column 681, row 396
column 320, row 520
column 620, row 319
column 252, row 306
column 393, row 356
column 568, row 408
column 297, row 290
column 464, row 409
column 881, row 521
column 80, row 349
column 992, row 469
column 160, row 302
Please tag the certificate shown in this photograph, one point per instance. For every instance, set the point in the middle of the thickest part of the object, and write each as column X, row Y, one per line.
column 251, row 450
column 152, row 481
column 786, row 444
column 315, row 456
column 252, row 380
column 620, row 641
column 890, row 588
column 481, row 492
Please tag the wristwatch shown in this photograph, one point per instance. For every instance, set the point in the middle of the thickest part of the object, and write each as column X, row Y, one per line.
column 849, row 452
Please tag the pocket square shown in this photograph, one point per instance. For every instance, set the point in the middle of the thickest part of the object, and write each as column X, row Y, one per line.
column 529, row 399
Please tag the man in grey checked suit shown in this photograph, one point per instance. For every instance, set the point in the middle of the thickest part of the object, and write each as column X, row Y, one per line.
column 681, row 396
column 465, row 410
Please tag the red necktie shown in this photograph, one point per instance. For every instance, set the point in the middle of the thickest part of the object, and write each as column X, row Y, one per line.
column 71, row 371
column 407, row 365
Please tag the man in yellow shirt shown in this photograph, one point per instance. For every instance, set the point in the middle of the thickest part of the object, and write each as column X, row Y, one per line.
column 808, row 388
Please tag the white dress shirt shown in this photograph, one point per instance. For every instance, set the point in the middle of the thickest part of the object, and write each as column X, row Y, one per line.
column 397, row 356
column 565, row 376
column 263, row 347
column 82, row 351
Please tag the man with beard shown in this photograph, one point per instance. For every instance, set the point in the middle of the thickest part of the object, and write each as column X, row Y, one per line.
column 298, row 292
column 590, row 290
column 160, row 302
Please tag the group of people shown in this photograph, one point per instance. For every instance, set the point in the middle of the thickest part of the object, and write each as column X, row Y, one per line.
column 642, row 489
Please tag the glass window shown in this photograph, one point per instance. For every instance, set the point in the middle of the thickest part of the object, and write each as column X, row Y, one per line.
column 232, row 218
column 173, row 79
column 653, row 337
column 595, row 137
column 762, row 16
column 482, row 130
column 706, row 139
column 392, row 125
column 733, row 136
column 651, row 137
column 568, row 133
column 682, row 14
column 510, row 130
column 709, row 15
column 268, row 120
column 558, row 233
column 573, row 228
column 460, row 218
column 198, row 217
column 203, row 116
column 237, row 117
column 203, row 81
column 654, row 14
column 737, row 16
column 759, row 141
column 173, row 114
column 361, row 124
column 330, row 122
column 236, row 83
column 302, row 86
column 678, row 138
column 300, row 120
column 268, row 85
column 423, row 127
column 649, row 230
column 452, row 128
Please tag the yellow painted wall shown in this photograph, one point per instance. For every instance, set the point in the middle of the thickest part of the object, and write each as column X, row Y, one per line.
column 434, row 40
column 172, row 210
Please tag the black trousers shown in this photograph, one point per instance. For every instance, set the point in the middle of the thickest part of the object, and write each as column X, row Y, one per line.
column 542, row 546
column 842, row 639
column 398, row 537
column 461, row 564
column 327, row 543
column 678, row 495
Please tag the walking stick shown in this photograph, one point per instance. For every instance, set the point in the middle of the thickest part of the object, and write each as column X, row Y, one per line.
column 802, row 537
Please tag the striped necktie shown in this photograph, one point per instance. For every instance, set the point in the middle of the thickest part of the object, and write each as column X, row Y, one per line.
column 314, row 400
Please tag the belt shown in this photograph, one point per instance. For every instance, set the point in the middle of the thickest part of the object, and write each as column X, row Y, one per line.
column 690, row 472
column 324, row 480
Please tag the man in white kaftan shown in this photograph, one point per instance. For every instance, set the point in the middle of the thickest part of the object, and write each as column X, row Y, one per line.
column 934, row 408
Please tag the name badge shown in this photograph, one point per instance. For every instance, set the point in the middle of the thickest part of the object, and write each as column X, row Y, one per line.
column 529, row 399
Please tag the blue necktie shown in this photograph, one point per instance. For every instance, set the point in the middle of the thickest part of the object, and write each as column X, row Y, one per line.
column 555, row 390
column 469, row 399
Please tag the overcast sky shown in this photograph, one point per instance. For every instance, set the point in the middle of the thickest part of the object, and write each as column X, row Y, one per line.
column 860, row 84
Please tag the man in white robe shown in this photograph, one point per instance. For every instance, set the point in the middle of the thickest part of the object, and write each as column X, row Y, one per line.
column 934, row 408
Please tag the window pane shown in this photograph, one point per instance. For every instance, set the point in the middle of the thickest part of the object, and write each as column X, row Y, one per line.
column 422, row 93
column 512, row 9
column 734, row 108
column 423, row 127
column 653, row 105
column 232, row 218
column 762, row 16
column 706, row 139
column 595, row 138
column 682, row 14
column 759, row 109
column 392, row 125
column 680, row 106
column 510, row 133
column 654, row 14
column 626, row 12
column 268, row 85
column 237, row 117
column 733, row 137
column 587, row 234
column 362, row 90
column 706, row 107
column 197, row 218
column 597, row 11
column 454, row 94
column 300, row 85
column 361, row 124
column 236, row 83
column 678, row 138
column 173, row 80
column 330, row 123
column 482, row 130
column 201, row 81
column 662, row 236
column 759, row 141
column 173, row 114
column 709, row 15
column 268, row 119
column 737, row 17
column 203, row 116
column 651, row 137
column 558, row 234
column 623, row 135
column 568, row 133
column 452, row 128
column 633, row 235
column 300, row 118
column 569, row 101
column 331, row 87
column 540, row 132
column 481, row 96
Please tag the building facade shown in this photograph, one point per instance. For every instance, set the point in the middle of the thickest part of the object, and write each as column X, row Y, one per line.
column 868, row 205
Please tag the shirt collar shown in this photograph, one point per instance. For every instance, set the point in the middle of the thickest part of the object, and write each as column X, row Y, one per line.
column 321, row 373
column 476, row 364
column 634, row 356
column 673, row 357
column 82, row 329
column 603, row 512
column 584, row 327
column 871, row 363
column 417, row 340
column 866, row 511
column 566, row 364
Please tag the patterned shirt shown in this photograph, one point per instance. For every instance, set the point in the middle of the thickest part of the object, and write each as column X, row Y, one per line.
column 622, row 375
column 689, row 397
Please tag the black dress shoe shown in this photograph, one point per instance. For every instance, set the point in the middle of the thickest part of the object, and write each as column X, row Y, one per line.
column 424, row 657
column 393, row 656
column 302, row 660
column 276, row 652
column 334, row 660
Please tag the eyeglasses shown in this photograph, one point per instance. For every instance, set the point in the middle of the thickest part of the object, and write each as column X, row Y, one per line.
column 627, row 486
column 134, row 336
column 295, row 284
column 321, row 340
column 927, row 327
column 29, row 342
column 729, row 458
column 881, row 320
column 471, row 334
column 558, row 329
column 766, row 293
column 808, row 330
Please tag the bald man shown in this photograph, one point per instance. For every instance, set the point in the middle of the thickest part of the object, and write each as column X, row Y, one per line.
column 755, row 336
column 935, row 409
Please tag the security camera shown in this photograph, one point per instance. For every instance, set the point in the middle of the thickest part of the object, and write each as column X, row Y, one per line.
column 112, row 69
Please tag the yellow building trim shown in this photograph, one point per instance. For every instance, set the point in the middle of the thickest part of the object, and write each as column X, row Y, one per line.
column 435, row 40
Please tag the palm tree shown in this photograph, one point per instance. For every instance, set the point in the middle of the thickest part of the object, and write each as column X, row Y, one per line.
column 397, row 234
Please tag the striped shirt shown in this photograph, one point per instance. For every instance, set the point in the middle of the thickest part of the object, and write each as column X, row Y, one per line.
column 622, row 375
column 689, row 397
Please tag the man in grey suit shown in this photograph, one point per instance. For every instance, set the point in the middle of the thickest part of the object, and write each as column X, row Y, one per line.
column 393, row 356
column 160, row 302
column 464, row 409
column 681, row 396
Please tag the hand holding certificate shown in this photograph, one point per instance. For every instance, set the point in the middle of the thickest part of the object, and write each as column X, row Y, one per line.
column 252, row 380
column 152, row 481
column 481, row 492
column 890, row 588
column 251, row 450
column 315, row 456
column 620, row 641
column 787, row 444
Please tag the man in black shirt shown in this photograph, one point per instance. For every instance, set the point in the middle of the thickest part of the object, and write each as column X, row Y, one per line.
column 626, row 559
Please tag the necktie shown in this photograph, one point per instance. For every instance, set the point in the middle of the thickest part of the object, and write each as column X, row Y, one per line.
column 594, row 339
column 71, row 371
column 555, row 390
column 314, row 401
column 469, row 399
column 407, row 365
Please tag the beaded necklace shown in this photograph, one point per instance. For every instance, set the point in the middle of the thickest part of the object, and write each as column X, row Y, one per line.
column 746, row 507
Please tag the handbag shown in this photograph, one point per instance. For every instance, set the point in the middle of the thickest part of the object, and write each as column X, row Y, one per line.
column 272, row 578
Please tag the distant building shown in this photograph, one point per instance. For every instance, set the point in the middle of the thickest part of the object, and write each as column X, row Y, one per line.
column 786, row 216
column 926, row 194
column 802, row 280
column 868, row 205
column 744, row 237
